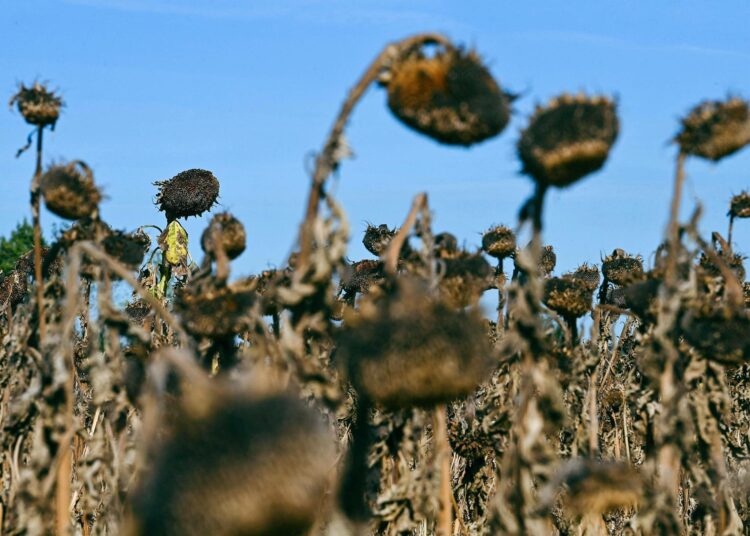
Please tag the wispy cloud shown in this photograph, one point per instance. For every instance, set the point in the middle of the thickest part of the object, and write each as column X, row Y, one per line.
column 330, row 12
column 628, row 45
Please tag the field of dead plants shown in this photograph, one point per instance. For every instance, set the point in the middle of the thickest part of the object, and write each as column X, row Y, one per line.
column 375, row 397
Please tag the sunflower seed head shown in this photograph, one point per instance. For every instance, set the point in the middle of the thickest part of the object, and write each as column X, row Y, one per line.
column 450, row 97
column 69, row 191
column 568, row 296
column 739, row 207
column 211, row 310
column 189, row 193
column 621, row 269
column 465, row 278
column 715, row 129
column 128, row 248
column 406, row 349
column 38, row 105
column 377, row 238
column 592, row 487
column 232, row 232
column 568, row 138
column 499, row 242
column 588, row 275
column 719, row 332
column 252, row 466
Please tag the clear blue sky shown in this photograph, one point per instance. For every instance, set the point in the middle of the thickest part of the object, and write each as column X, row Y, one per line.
column 248, row 89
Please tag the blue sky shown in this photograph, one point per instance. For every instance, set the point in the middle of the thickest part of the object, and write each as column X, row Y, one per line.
column 248, row 89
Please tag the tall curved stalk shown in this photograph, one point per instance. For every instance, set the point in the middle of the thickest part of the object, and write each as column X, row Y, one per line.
column 673, row 229
column 329, row 158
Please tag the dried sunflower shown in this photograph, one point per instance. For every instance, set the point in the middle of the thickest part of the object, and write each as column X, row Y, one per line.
column 733, row 262
column 69, row 190
column 739, row 207
column 407, row 349
column 568, row 296
column 499, row 242
column 189, row 193
column 715, row 129
column 128, row 248
column 621, row 269
column 358, row 277
column 450, row 97
column 13, row 288
column 38, row 105
column 464, row 279
column 568, row 138
column 719, row 332
column 208, row 310
column 376, row 239
column 547, row 261
column 446, row 245
column 233, row 236
column 250, row 467
column 594, row 488
column 587, row 275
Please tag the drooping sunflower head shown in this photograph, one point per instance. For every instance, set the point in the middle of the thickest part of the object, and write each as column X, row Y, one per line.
column 69, row 191
column 450, row 96
column 714, row 129
column 568, row 138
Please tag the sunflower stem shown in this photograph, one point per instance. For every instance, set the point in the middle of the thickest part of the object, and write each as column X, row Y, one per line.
column 35, row 201
column 500, row 277
column 673, row 230
column 444, row 455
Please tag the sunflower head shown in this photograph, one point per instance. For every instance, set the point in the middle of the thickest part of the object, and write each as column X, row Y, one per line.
column 714, row 129
column 588, row 275
column 232, row 232
column 69, row 191
column 211, row 310
column 407, row 349
column 739, row 207
column 621, row 269
column 189, row 193
column 38, row 105
column 251, row 466
column 568, row 296
column 499, row 242
column 128, row 248
column 450, row 96
column 568, row 138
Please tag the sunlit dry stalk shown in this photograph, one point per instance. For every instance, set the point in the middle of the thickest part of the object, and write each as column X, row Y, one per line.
column 593, row 418
column 65, row 457
column 444, row 455
column 394, row 248
column 35, row 201
column 500, row 321
column 673, row 228
column 615, row 351
column 442, row 445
